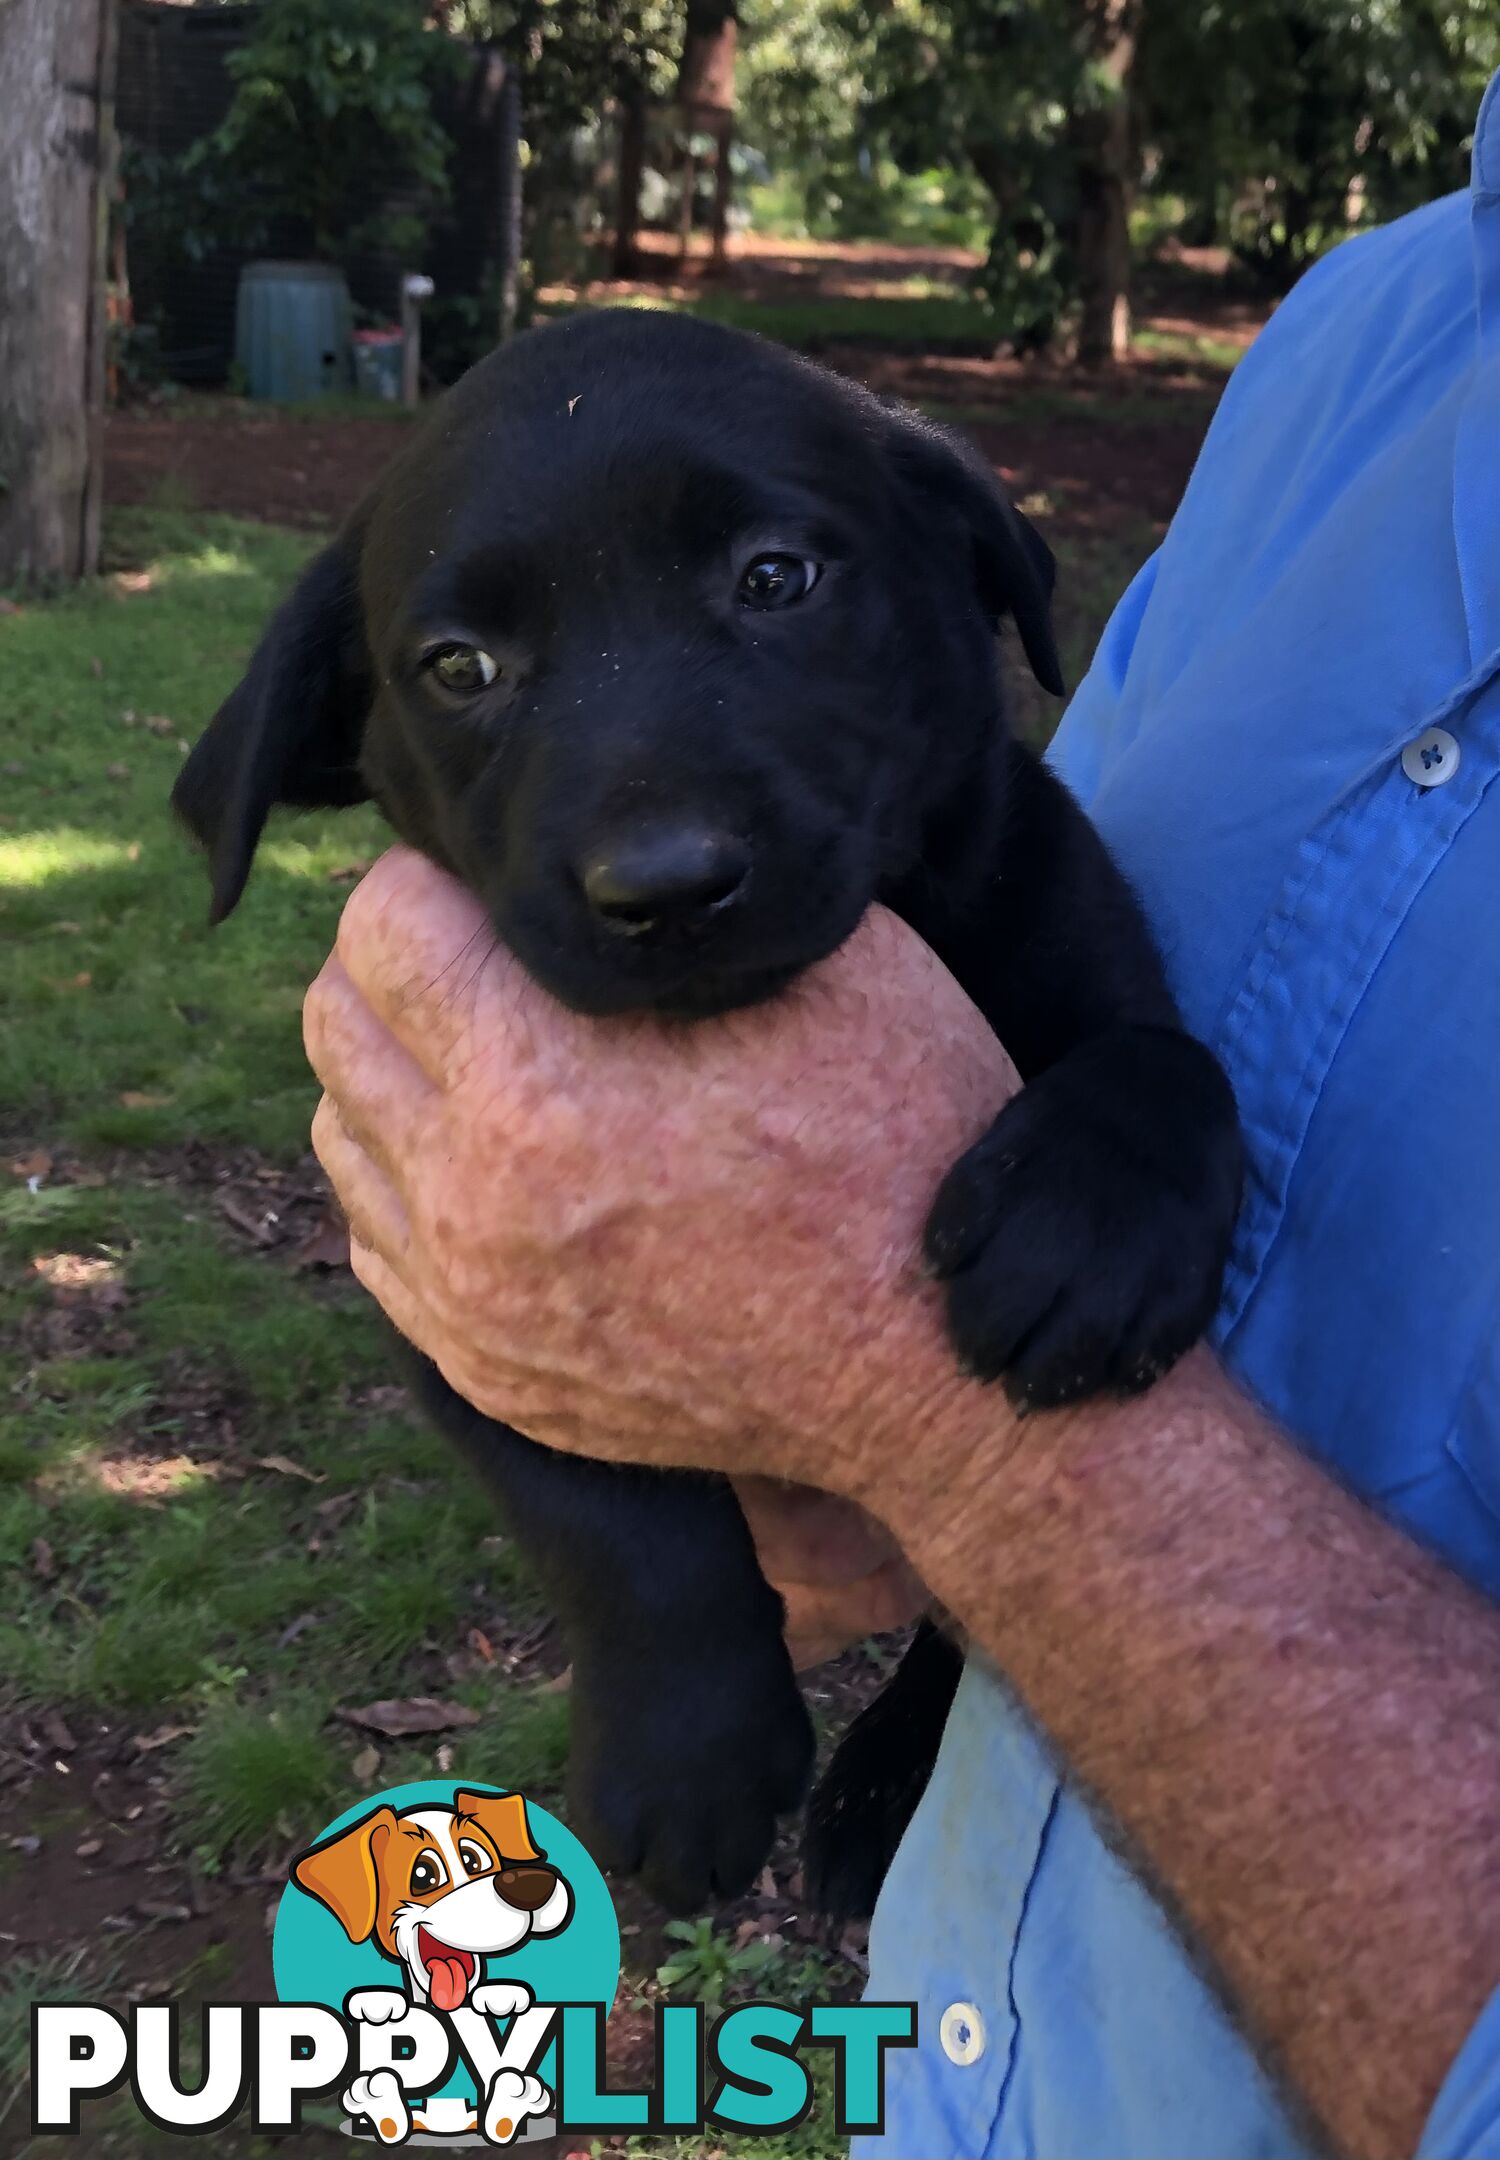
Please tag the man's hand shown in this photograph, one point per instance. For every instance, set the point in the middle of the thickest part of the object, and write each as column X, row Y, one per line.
column 692, row 1246
column 839, row 1574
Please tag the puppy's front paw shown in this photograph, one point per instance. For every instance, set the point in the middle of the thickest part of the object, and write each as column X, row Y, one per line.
column 380, row 2100
column 376, row 2006
column 679, row 1771
column 513, row 2098
column 1083, row 1239
column 501, row 1998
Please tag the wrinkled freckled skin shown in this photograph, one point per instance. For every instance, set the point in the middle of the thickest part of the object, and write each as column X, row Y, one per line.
column 856, row 745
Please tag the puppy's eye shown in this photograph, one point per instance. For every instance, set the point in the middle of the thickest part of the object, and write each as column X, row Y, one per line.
column 476, row 1861
column 776, row 581
column 463, row 669
column 428, row 1873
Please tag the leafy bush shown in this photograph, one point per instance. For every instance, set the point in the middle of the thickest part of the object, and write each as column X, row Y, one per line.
column 333, row 104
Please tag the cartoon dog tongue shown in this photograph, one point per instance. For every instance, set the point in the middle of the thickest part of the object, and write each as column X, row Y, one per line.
column 447, row 1981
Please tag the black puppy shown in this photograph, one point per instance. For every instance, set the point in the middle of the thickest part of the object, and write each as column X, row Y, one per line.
column 680, row 652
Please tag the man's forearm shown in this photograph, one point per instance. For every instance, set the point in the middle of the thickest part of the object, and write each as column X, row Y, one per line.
column 1291, row 1714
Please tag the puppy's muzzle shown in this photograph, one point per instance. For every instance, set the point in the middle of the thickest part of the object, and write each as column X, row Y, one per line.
column 662, row 878
column 527, row 1888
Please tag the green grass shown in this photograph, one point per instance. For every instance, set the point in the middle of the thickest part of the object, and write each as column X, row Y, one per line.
column 919, row 314
column 110, row 980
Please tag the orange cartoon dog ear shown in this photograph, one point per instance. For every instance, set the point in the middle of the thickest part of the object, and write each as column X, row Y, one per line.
column 503, row 1817
column 343, row 1874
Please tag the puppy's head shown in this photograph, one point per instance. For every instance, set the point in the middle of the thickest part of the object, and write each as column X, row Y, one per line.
column 439, row 1888
column 671, row 646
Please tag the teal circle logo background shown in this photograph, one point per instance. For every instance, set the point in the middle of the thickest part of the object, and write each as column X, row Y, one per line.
column 313, row 1960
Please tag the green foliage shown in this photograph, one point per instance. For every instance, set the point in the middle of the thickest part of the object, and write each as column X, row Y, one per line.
column 328, row 94
column 1325, row 114
column 710, row 1966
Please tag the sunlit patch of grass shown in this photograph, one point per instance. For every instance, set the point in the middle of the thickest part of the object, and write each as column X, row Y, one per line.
column 918, row 314
column 34, row 858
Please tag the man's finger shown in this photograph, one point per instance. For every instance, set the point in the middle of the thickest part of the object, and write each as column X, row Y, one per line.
column 803, row 1535
column 371, row 1204
column 424, row 957
column 379, row 1087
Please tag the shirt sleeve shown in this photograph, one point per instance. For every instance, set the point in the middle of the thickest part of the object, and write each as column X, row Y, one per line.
column 1093, row 730
column 1465, row 2123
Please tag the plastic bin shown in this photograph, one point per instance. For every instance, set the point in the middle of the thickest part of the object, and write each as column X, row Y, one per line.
column 378, row 357
column 293, row 330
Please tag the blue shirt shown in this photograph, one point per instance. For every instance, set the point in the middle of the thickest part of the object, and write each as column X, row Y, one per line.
column 1321, row 623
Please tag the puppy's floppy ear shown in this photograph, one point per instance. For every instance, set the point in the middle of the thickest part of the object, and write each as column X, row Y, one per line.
column 1014, row 569
column 290, row 733
column 343, row 1873
column 503, row 1816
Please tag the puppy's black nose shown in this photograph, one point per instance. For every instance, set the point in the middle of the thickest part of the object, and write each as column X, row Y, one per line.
column 664, row 876
column 527, row 1888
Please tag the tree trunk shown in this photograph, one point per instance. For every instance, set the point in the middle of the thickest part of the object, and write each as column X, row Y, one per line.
column 705, row 103
column 56, row 90
column 1103, row 147
column 632, row 170
column 508, row 150
column 723, row 190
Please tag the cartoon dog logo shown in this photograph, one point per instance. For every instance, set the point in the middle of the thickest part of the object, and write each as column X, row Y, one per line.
column 438, row 1890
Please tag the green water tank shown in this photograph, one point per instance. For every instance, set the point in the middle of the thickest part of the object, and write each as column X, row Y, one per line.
column 293, row 330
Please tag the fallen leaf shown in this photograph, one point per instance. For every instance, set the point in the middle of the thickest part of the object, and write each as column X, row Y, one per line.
column 444, row 1760
column 143, row 1099
column 365, row 1767
column 164, row 1735
column 54, row 1729
column 285, row 1467
column 43, row 1565
column 257, row 1223
column 481, row 1646
column 88, row 1848
column 325, row 1246
column 133, row 852
column 38, row 1164
column 394, row 1719
column 161, row 1909
column 30, row 1846
column 296, row 1627
column 159, row 724
column 117, row 772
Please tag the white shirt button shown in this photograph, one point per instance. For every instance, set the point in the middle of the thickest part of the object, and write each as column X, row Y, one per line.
column 1432, row 759
column 961, row 2031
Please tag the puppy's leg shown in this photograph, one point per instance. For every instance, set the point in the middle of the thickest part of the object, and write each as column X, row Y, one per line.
column 1083, row 1240
column 689, row 1734
column 869, row 1792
